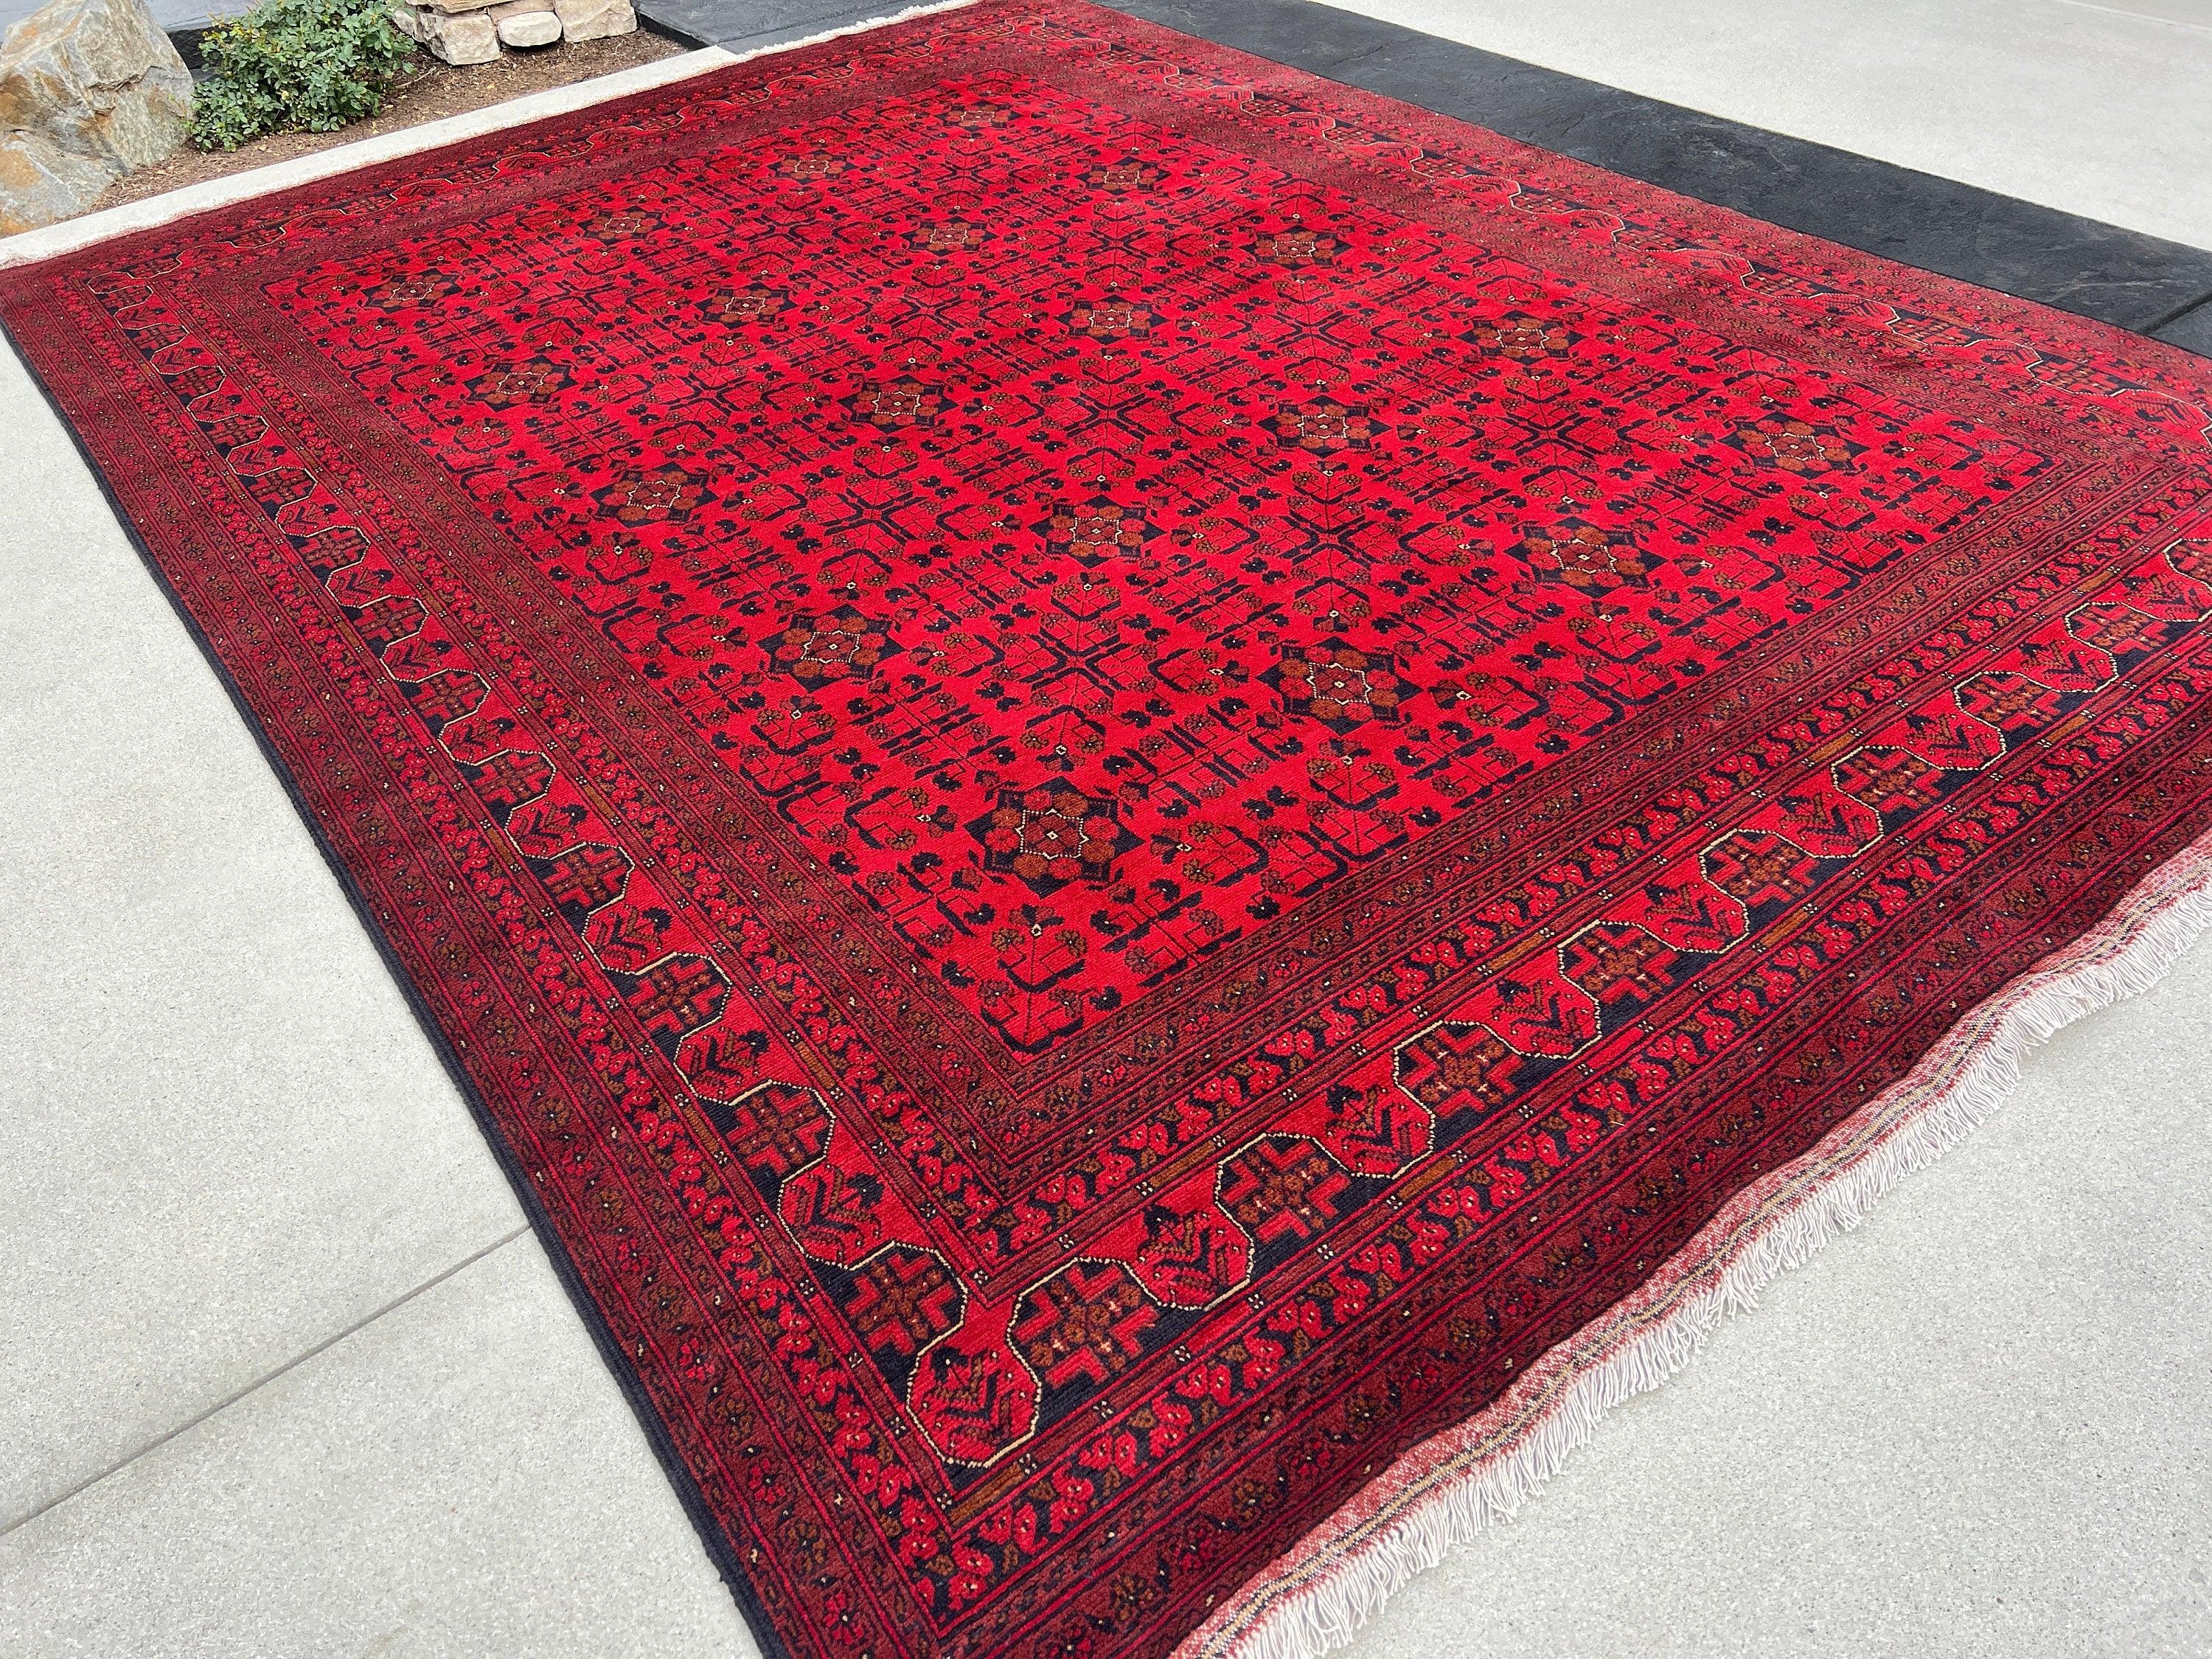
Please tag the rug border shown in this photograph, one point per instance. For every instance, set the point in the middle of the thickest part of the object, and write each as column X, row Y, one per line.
column 1410, row 1517
column 1712, row 158
column 720, row 1548
column 67, row 236
column 1461, row 1482
column 49, row 241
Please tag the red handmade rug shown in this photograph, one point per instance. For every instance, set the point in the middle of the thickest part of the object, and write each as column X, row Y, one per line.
column 1121, row 773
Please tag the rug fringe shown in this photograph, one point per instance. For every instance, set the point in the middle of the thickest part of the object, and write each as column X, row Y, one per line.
column 1458, row 1483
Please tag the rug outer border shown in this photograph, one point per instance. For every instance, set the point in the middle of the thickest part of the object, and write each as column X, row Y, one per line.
column 65, row 237
column 1465, row 1480
column 1408, row 1518
column 721, row 1549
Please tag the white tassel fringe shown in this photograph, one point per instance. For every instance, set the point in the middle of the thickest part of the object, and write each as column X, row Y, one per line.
column 1458, row 1483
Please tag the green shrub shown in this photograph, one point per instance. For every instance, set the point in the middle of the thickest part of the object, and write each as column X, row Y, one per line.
column 295, row 65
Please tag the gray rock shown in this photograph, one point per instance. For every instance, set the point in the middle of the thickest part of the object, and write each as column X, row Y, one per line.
column 40, row 183
column 89, row 90
column 594, row 19
column 526, row 23
column 468, row 37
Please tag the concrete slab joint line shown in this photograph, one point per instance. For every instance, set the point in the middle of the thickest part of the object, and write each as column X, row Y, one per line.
column 2189, row 328
column 9, row 1524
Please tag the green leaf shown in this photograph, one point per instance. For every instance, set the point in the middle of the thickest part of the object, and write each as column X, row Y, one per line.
column 294, row 66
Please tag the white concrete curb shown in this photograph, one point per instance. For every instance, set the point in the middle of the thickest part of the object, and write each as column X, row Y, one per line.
column 28, row 246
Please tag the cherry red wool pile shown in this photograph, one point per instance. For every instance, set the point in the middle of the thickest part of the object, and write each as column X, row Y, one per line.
column 1117, row 771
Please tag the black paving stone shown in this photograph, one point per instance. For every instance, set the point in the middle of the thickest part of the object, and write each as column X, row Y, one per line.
column 2191, row 331
column 1305, row 36
column 743, row 24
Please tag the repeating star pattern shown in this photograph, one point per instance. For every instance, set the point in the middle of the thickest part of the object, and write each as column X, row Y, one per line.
column 1118, row 772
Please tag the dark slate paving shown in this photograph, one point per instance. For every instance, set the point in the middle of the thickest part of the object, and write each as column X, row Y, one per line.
column 2191, row 331
column 1310, row 37
column 743, row 24
column 2096, row 270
